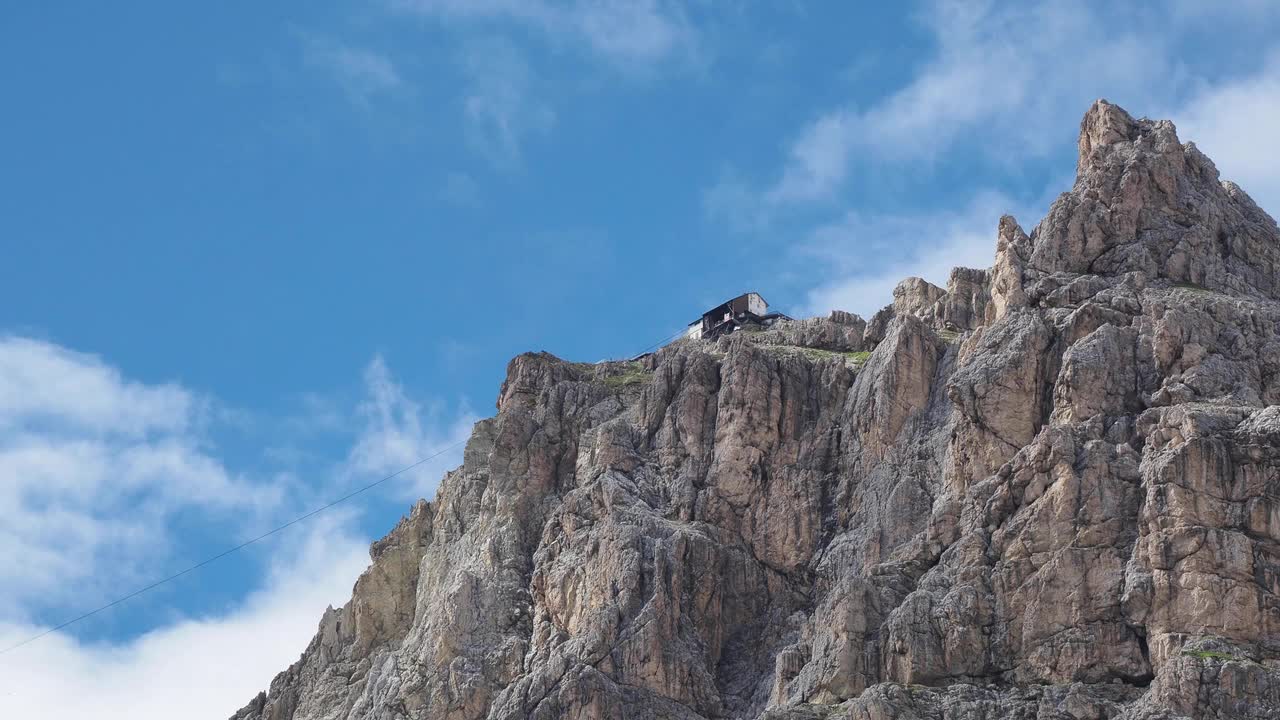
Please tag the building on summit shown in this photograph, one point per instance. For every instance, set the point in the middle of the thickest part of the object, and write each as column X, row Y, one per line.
column 746, row 309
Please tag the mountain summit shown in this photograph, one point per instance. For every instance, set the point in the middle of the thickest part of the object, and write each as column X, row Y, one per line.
column 1049, row 490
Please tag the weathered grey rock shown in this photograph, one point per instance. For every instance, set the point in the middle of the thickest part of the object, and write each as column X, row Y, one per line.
column 841, row 332
column 1051, row 491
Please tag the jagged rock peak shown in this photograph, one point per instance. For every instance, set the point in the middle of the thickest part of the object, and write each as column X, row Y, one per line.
column 1147, row 205
column 1104, row 124
column 1050, row 490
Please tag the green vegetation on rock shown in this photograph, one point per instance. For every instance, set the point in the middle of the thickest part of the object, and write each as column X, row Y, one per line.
column 633, row 374
column 1209, row 654
column 1192, row 287
column 855, row 359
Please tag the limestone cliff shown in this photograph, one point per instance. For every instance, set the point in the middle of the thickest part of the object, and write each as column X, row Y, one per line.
column 1049, row 490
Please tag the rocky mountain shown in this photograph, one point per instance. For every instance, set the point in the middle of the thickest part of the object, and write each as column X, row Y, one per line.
column 1049, row 490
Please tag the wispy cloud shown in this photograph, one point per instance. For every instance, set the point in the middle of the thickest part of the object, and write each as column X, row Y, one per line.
column 628, row 33
column 1250, row 11
column 46, row 384
column 997, row 74
column 96, row 470
column 994, row 93
column 93, row 467
column 866, row 255
column 396, row 431
column 996, row 83
column 508, row 98
column 362, row 74
column 501, row 105
column 209, row 665
column 1234, row 123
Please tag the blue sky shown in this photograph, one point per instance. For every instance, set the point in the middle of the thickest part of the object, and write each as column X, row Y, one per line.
column 257, row 254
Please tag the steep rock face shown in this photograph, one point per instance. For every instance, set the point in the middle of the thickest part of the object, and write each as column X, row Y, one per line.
column 1050, row 490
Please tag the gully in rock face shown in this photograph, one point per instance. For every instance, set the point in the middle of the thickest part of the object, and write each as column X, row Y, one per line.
column 1046, row 490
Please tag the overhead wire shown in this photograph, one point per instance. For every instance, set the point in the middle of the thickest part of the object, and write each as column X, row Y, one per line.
column 229, row 551
column 660, row 343
column 232, row 550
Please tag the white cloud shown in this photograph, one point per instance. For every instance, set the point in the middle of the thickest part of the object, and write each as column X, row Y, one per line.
column 1234, row 123
column 995, row 92
column 1227, row 120
column 361, row 73
column 93, row 467
column 633, row 30
column 1196, row 11
column 506, row 101
column 501, row 106
column 924, row 245
column 43, row 383
column 629, row 33
column 997, row 78
column 197, row 667
column 396, row 431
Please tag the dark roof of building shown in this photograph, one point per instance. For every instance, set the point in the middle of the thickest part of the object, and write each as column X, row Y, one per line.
column 739, row 297
column 726, row 302
column 749, row 292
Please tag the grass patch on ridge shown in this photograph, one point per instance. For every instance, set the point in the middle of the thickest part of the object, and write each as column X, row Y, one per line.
column 1209, row 654
column 855, row 359
column 1197, row 289
column 633, row 374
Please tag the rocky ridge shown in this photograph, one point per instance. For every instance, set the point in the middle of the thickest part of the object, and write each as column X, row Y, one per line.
column 1050, row 490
